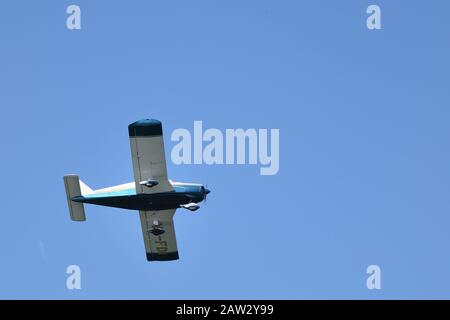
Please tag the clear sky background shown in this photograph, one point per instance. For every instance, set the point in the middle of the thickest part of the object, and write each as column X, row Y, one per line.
column 364, row 146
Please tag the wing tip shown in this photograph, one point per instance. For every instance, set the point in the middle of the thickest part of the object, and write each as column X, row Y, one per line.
column 145, row 128
column 162, row 256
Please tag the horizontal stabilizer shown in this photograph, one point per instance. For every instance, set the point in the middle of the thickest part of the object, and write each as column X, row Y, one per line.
column 73, row 189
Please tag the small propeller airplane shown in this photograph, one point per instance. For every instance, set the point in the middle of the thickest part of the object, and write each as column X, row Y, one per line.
column 152, row 193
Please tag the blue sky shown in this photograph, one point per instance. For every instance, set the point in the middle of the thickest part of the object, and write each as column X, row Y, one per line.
column 364, row 146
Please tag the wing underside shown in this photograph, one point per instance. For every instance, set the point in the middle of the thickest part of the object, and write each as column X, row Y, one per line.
column 149, row 164
column 147, row 151
column 161, row 245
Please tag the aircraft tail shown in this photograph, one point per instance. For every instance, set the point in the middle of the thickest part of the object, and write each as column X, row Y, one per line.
column 74, row 188
column 85, row 188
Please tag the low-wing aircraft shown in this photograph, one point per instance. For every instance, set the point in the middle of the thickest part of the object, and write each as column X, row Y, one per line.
column 152, row 193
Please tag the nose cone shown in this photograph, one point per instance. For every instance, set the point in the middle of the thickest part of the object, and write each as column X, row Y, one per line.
column 207, row 191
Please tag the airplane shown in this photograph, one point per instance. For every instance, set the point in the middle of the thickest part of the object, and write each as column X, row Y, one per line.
column 152, row 193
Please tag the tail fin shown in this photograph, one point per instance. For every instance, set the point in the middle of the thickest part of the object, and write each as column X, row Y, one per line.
column 74, row 187
column 85, row 188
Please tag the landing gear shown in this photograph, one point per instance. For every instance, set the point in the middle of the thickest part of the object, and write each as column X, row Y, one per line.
column 156, row 229
column 190, row 206
column 149, row 183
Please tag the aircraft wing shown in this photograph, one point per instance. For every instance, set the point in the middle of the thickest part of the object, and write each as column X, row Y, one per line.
column 147, row 151
column 162, row 247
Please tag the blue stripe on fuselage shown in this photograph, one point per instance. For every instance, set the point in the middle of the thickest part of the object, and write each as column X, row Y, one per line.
column 132, row 191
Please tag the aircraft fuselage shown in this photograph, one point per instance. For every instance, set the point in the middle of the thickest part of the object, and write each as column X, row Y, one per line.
column 128, row 199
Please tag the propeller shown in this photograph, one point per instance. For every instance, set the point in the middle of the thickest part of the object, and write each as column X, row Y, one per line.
column 206, row 191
